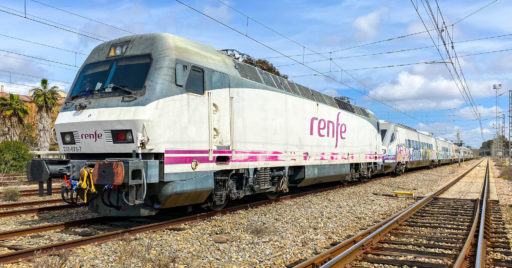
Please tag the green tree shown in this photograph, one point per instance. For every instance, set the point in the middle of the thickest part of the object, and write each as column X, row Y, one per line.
column 46, row 100
column 14, row 157
column 12, row 111
column 264, row 65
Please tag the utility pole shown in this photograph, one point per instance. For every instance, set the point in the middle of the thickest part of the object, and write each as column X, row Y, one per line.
column 509, row 126
column 497, row 141
column 459, row 143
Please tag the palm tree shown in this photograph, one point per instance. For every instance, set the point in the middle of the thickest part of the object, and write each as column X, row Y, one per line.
column 45, row 100
column 12, row 111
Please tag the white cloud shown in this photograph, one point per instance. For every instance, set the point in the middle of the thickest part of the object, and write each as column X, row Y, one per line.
column 220, row 12
column 23, row 87
column 467, row 112
column 331, row 92
column 366, row 26
column 470, row 136
column 428, row 87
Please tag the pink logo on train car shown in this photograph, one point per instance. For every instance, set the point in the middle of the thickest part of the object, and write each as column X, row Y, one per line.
column 327, row 128
column 91, row 136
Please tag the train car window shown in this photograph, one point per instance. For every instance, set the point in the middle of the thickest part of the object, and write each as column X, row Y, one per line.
column 392, row 138
column 195, row 81
column 181, row 72
column 383, row 133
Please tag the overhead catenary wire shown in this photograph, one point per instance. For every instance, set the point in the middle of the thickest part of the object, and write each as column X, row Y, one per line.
column 48, row 23
column 403, row 50
column 289, row 57
column 32, row 76
column 43, row 44
column 373, row 68
column 383, row 40
column 37, row 58
column 40, row 62
column 461, row 85
column 403, row 64
column 474, row 12
column 83, row 17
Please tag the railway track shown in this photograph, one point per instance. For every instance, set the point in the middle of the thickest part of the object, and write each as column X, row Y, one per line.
column 35, row 192
column 141, row 228
column 433, row 232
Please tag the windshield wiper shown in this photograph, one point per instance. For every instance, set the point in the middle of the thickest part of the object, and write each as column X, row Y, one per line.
column 131, row 97
column 114, row 86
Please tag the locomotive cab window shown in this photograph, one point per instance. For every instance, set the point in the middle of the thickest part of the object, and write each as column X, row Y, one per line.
column 120, row 76
column 195, row 81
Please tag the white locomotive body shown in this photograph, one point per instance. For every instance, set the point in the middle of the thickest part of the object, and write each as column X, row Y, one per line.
column 156, row 121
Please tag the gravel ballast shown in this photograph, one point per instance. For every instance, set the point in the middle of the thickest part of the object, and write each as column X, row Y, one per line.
column 269, row 236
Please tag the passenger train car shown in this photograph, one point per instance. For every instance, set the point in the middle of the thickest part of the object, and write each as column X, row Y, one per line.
column 156, row 121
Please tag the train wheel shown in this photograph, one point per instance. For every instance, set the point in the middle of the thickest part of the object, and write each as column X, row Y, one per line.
column 370, row 173
column 398, row 169
column 282, row 187
column 272, row 195
column 215, row 205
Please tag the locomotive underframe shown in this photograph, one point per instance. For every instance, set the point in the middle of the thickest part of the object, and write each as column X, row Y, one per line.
column 145, row 188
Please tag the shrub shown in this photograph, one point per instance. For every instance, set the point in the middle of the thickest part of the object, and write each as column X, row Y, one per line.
column 11, row 194
column 14, row 157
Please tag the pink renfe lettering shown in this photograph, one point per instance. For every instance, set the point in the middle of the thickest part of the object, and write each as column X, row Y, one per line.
column 321, row 127
column 333, row 130
column 91, row 136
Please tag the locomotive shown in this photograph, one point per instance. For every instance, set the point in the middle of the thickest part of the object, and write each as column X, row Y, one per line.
column 155, row 121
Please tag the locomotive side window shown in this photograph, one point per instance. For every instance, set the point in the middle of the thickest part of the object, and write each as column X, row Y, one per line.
column 392, row 138
column 181, row 71
column 195, row 81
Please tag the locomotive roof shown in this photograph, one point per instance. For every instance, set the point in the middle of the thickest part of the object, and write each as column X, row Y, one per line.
column 171, row 46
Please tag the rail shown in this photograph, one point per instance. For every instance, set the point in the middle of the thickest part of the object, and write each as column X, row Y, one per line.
column 105, row 237
column 348, row 250
column 480, row 249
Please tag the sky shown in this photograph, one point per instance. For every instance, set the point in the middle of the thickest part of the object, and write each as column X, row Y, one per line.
column 370, row 51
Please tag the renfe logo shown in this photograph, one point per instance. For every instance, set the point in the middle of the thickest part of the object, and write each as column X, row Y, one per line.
column 91, row 136
column 332, row 131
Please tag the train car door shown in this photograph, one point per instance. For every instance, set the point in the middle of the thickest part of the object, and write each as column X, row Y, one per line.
column 219, row 114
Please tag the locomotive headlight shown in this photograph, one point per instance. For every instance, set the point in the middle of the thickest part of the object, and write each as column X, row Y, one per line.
column 122, row 136
column 118, row 49
column 67, row 138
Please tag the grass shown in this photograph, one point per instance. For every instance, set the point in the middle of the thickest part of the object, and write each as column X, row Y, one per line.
column 51, row 261
column 11, row 194
column 506, row 172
